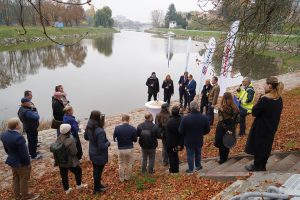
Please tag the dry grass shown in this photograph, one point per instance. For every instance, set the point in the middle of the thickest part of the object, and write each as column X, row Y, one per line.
column 44, row 125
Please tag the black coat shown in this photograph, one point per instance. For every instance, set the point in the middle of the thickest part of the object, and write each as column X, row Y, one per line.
column 153, row 85
column 204, row 93
column 173, row 137
column 58, row 109
column 267, row 116
column 168, row 87
column 183, row 83
column 155, row 133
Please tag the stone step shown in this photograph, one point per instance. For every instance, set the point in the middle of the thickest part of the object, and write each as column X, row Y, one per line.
column 209, row 165
column 273, row 160
column 286, row 163
column 224, row 165
column 295, row 168
column 239, row 166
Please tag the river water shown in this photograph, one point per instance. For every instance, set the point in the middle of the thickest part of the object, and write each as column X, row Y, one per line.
column 107, row 73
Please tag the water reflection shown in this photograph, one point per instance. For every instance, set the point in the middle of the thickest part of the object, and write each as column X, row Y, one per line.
column 15, row 65
column 104, row 44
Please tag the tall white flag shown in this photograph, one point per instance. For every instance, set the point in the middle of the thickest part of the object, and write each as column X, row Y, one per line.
column 228, row 56
column 188, row 50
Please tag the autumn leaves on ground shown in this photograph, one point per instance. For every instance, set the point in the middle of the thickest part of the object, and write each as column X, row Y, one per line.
column 161, row 185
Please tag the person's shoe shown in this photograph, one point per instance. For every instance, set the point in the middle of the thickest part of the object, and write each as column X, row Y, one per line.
column 221, row 161
column 68, row 191
column 199, row 168
column 188, row 171
column 38, row 157
column 31, row 197
column 253, row 168
column 79, row 187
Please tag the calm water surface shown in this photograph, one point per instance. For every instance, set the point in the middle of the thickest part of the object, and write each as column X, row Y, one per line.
column 107, row 73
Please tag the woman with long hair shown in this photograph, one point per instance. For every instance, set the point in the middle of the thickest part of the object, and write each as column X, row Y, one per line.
column 168, row 87
column 267, row 113
column 228, row 119
column 98, row 147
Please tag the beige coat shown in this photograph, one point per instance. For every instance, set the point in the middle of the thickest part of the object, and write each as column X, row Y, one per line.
column 214, row 94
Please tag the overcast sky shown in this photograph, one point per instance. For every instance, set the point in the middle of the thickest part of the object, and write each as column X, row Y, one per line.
column 139, row 10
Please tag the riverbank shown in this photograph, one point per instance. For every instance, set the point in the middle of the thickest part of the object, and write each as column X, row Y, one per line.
column 10, row 36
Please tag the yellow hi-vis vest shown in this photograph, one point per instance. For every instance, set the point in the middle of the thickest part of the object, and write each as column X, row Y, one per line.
column 242, row 96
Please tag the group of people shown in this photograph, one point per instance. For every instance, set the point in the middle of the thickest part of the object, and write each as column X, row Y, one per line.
column 174, row 129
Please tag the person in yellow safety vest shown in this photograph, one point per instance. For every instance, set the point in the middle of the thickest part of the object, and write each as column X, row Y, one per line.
column 245, row 95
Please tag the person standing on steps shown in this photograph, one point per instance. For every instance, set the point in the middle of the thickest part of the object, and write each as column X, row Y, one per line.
column 168, row 87
column 148, row 133
column 18, row 159
column 125, row 135
column 58, row 110
column 30, row 119
column 193, row 127
column 267, row 112
column 174, row 140
column 153, row 86
column 98, row 147
column 213, row 99
column 204, row 96
column 245, row 94
column 228, row 119
column 183, row 81
column 191, row 89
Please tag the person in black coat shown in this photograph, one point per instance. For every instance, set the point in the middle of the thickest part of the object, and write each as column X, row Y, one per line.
column 228, row 120
column 183, row 82
column 153, row 86
column 58, row 108
column 168, row 87
column 174, row 140
column 204, row 96
column 267, row 113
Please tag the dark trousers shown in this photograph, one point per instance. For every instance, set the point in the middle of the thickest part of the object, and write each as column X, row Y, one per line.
column 78, row 146
column 77, row 171
column 152, row 94
column 243, row 114
column 32, row 137
column 223, row 153
column 148, row 154
column 190, row 99
column 167, row 97
column 260, row 160
column 183, row 98
column 97, row 174
column 210, row 113
column 174, row 161
column 203, row 105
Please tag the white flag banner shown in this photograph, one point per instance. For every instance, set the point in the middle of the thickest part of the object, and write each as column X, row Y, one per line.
column 228, row 56
column 207, row 59
column 188, row 51
column 169, row 50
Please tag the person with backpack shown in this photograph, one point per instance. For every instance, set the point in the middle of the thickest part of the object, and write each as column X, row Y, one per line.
column 125, row 135
column 70, row 119
column 65, row 156
column 98, row 147
column 228, row 119
column 148, row 133
column 18, row 159
column 30, row 119
column 161, row 120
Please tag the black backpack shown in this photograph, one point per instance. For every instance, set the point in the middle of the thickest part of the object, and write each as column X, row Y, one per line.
column 60, row 153
column 146, row 138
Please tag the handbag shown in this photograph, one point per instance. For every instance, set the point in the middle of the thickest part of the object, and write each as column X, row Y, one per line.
column 56, row 124
column 229, row 139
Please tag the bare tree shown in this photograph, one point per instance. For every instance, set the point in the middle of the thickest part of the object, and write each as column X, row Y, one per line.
column 157, row 17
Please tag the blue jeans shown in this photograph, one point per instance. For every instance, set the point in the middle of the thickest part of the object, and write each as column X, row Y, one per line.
column 193, row 156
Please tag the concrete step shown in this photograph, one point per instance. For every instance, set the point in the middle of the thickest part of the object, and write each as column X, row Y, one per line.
column 286, row 163
column 209, row 165
column 224, row 165
column 295, row 168
column 239, row 166
column 273, row 160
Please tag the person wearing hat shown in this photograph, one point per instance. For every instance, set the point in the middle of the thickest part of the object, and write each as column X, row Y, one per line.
column 18, row 159
column 161, row 120
column 153, row 86
column 228, row 119
column 73, row 164
column 245, row 95
column 30, row 120
column 267, row 112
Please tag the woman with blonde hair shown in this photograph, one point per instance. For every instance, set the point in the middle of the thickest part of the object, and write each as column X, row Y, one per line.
column 168, row 87
column 267, row 113
column 228, row 119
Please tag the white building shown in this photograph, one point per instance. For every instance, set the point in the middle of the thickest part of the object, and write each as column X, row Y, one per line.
column 173, row 24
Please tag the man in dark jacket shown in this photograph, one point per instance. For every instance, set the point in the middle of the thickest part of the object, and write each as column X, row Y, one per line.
column 193, row 127
column 30, row 121
column 125, row 135
column 153, row 86
column 191, row 89
column 183, row 81
column 148, row 134
column 58, row 109
column 204, row 96
column 18, row 159
column 174, row 140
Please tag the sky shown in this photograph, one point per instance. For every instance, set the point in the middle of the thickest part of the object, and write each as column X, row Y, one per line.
column 140, row 10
